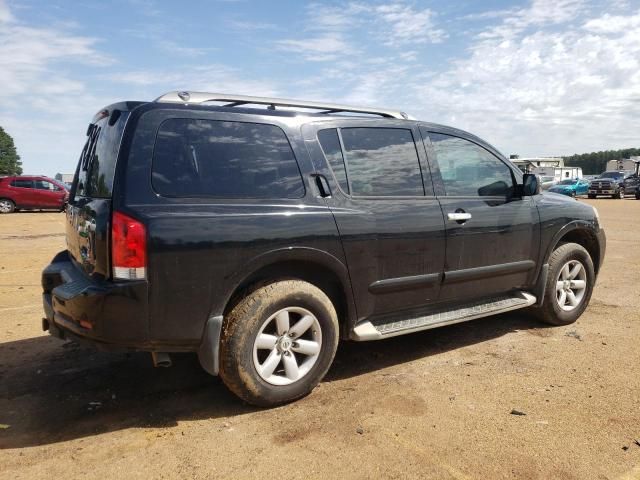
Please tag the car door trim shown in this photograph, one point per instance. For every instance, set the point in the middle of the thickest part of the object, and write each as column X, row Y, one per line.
column 478, row 273
column 390, row 285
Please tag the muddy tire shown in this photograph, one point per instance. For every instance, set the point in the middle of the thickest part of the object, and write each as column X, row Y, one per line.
column 569, row 285
column 278, row 342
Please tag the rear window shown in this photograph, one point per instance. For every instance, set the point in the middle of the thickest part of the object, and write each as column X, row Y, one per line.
column 207, row 158
column 22, row 183
column 98, row 158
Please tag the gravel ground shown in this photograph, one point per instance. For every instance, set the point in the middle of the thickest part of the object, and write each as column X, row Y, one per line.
column 438, row 404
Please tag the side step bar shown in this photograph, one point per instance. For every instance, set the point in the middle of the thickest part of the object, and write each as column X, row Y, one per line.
column 380, row 329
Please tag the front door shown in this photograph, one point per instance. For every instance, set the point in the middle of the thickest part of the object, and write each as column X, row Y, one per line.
column 389, row 220
column 492, row 235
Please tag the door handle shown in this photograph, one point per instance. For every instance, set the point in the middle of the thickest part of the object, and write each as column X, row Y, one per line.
column 459, row 216
column 323, row 185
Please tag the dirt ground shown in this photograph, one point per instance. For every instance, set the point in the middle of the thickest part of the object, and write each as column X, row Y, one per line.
column 435, row 404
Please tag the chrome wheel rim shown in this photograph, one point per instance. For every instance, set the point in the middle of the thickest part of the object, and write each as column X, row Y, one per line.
column 5, row 206
column 571, row 285
column 287, row 346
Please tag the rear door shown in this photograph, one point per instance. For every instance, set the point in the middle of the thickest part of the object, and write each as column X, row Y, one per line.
column 89, row 209
column 22, row 192
column 492, row 236
column 389, row 220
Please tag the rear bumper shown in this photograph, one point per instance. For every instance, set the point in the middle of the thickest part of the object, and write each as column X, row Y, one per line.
column 109, row 315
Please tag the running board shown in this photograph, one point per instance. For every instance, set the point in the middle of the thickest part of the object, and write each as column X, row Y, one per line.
column 468, row 311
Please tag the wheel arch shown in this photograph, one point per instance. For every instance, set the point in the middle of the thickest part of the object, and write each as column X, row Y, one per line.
column 317, row 267
column 581, row 233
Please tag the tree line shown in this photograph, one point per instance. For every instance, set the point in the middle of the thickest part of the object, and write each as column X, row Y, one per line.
column 596, row 162
column 10, row 163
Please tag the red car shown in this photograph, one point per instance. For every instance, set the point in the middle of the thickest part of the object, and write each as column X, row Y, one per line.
column 31, row 192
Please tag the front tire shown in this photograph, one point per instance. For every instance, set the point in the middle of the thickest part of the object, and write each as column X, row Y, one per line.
column 569, row 285
column 278, row 342
column 620, row 193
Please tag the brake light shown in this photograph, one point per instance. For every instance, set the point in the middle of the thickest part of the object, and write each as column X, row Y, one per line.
column 128, row 247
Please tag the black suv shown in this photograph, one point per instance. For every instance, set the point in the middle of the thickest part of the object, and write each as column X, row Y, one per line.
column 258, row 237
column 608, row 183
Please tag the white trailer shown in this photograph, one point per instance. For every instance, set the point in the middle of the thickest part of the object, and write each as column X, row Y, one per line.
column 559, row 173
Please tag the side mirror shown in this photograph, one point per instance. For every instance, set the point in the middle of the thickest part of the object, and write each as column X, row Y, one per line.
column 530, row 185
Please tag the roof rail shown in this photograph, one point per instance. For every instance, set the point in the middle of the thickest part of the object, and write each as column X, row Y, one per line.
column 191, row 98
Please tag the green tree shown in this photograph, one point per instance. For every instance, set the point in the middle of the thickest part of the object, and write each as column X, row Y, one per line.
column 10, row 163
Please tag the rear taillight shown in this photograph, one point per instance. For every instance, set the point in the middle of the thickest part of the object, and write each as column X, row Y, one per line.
column 128, row 248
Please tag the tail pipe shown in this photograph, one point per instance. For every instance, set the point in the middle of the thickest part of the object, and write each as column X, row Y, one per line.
column 161, row 359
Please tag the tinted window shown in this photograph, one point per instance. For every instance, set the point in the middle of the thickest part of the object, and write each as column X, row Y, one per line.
column 382, row 161
column 224, row 159
column 22, row 183
column 468, row 169
column 44, row 185
column 99, row 155
column 333, row 152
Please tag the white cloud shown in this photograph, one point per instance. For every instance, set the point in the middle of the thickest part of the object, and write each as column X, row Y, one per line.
column 5, row 13
column 324, row 47
column 349, row 29
column 540, row 13
column 612, row 23
column 40, row 100
column 546, row 91
column 408, row 25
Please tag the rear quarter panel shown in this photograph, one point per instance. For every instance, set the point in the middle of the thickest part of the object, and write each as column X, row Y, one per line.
column 200, row 249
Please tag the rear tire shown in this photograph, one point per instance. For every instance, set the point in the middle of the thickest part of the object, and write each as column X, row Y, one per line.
column 7, row 206
column 569, row 285
column 278, row 342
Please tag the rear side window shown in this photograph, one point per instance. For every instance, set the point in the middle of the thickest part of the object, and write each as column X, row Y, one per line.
column 382, row 162
column 468, row 169
column 195, row 158
column 98, row 159
column 22, row 183
column 330, row 144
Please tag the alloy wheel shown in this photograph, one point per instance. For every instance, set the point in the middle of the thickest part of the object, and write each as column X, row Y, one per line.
column 5, row 206
column 571, row 285
column 287, row 346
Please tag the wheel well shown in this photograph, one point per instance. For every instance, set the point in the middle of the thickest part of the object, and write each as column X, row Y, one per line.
column 587, row 240
column 316, row 274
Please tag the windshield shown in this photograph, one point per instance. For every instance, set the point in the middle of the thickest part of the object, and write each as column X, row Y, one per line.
column 570, row 181
column 612, row 175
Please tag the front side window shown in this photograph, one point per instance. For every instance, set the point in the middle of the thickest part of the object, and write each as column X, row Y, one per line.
column 382, row 162
column 22, row 183
column 44, row 185
column 202, row 158
column 468, row 169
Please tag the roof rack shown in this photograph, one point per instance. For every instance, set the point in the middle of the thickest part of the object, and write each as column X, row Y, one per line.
column 191, row 98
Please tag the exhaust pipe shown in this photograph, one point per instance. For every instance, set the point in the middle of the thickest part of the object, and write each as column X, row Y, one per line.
column 161, row 359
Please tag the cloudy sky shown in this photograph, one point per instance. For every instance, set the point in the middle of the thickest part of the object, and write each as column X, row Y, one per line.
column 540, row 77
